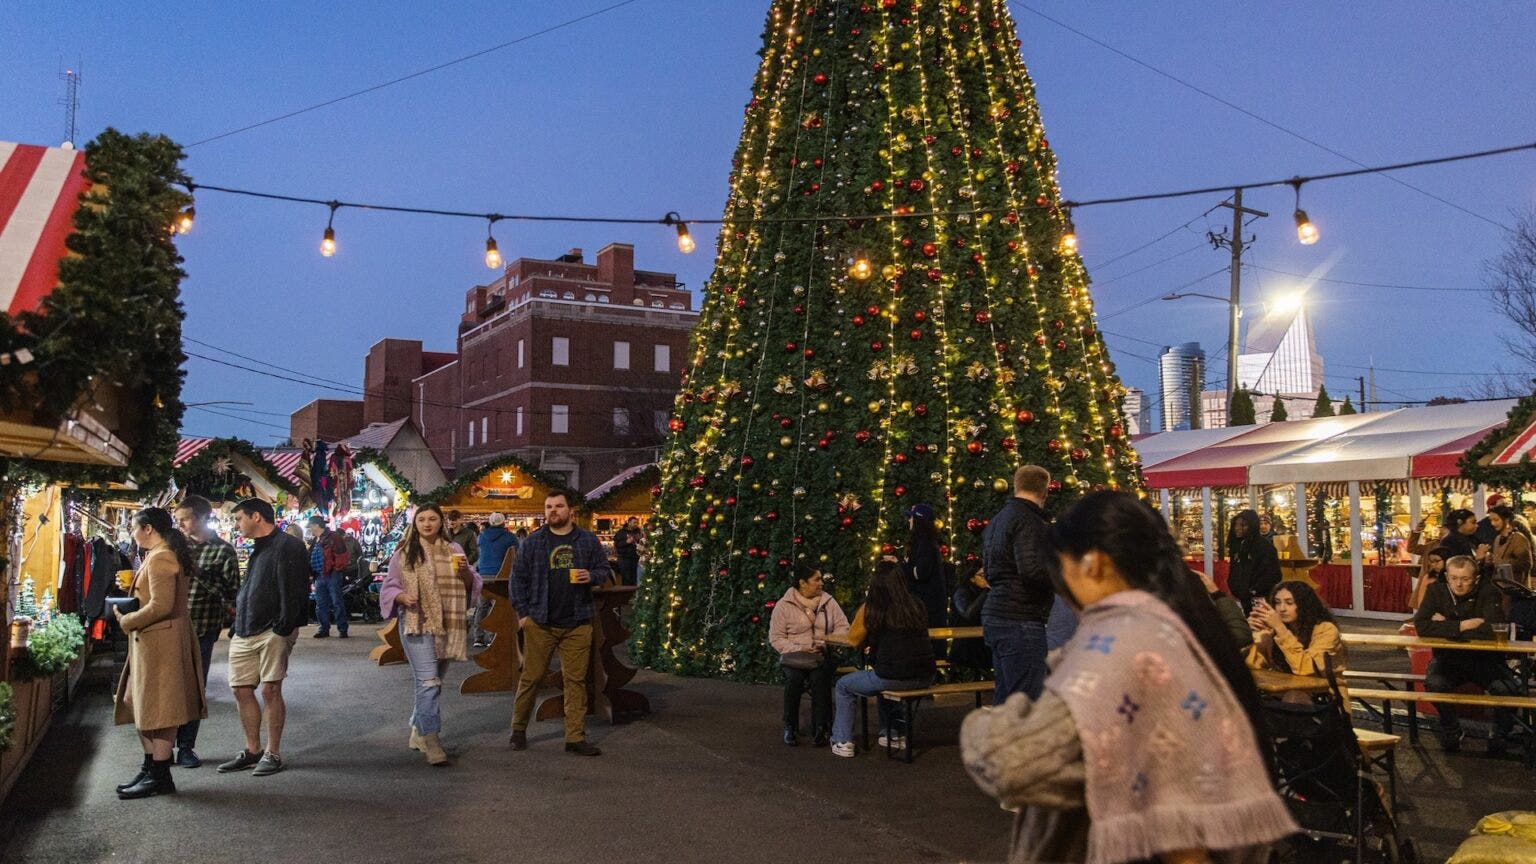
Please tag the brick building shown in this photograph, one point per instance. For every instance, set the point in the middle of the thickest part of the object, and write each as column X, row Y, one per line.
column 571, row 366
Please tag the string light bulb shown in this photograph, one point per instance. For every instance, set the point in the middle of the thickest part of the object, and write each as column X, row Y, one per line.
column 1306, row 232
column 1068, row 242
column 185, row 220
column 328, row 241
column 492, row 254
column 859, row 266
column 685, row 242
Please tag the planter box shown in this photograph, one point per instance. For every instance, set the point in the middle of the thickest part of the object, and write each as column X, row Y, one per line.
column 34, row 710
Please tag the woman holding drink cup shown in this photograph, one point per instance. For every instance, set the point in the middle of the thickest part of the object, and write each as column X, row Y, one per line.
column 429, row 587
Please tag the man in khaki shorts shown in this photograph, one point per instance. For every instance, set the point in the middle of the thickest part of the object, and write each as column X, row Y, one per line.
column 272, row 604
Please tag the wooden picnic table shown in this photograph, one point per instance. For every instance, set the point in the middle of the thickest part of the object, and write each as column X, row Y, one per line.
column 841, row 639
column 1394, row 640
column 1275, row 682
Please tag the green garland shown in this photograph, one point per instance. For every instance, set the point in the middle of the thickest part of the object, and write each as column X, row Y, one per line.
column 198, row 475
column 52, row 648
column 368, row 455
column 1511, row 476
column 460, row 484
column 651, row 476
column 114, row 321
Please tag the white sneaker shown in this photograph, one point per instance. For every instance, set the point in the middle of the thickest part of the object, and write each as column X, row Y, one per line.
column 843, row 748
column 898, row 742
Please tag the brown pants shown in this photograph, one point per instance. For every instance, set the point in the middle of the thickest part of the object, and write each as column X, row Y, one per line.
column 575, row 647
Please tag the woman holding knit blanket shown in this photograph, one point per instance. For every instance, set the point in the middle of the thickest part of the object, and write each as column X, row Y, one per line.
column 1143, row 745
column 429, row 588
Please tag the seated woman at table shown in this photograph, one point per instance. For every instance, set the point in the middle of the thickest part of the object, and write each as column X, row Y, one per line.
column 1431, row 570
column 1462, row 607
column 802, row 620
column 970, row 596
column 893, row 625
column 1144, row 745
column 1293, row 632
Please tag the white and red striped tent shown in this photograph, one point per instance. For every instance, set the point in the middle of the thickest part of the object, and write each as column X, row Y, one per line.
column 40, row 189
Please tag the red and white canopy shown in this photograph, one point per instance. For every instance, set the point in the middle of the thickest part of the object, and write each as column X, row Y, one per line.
column 40, row 189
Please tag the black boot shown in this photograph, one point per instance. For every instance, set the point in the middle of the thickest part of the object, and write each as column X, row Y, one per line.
column 139, row 777
column 791, row 735
column 158, row 782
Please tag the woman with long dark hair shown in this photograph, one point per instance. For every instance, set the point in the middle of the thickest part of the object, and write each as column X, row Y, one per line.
column 1146, row 743
column 1431, row 570
column 893, row 626
column 924, row 569
column 1294, row 632
column 430, row 588
column 1254, row 566
column 162, row 683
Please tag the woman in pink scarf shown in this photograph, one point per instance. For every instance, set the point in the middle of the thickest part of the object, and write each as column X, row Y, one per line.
column 1143, row 745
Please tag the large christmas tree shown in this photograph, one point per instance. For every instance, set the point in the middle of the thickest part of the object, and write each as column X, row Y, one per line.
column 897, row 315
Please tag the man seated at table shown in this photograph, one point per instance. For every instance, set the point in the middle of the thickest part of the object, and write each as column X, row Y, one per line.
column 1462, row 607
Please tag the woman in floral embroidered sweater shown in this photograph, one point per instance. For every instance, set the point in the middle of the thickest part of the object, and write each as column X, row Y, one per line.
column 1143, row 745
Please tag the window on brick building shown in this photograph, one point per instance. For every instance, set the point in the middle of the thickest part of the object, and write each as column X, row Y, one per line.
column 560, row 351
column 519, row 353
column 621, row 355
column 519, row 420
column 663, row 358
column 469, row 439
column 485, row 427
column 559, row 419
column 659, row 419
column 621, row 421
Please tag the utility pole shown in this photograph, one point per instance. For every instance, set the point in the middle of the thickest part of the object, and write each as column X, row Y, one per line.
column 71, row 102
column 1363, row 408
column 1235, row 242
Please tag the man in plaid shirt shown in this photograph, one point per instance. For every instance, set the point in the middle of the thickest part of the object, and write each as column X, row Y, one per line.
column 210, row 597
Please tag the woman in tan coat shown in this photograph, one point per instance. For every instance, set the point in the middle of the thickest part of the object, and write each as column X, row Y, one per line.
column 161, row 686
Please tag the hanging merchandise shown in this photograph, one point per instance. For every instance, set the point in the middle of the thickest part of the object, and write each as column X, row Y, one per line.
column 341, row 479
column 320, row 477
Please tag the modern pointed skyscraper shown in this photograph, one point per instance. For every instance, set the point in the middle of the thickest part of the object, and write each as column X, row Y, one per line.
column 1280, row 353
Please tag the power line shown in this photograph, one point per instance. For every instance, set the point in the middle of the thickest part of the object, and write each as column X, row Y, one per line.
column 1430, row 371
column 1128, row 274
column 671, row 220
column 1162, row 294
column 253, row 421
column 1155, row 241
column 1365, row 284
column 1266, row 121
column 417, row 74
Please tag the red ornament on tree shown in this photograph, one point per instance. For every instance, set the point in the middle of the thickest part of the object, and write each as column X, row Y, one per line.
column 820, row 78
column 1053, row 445
column 877, row 185
column 697, row 481
column 900, row 491
column 919, row 316
column 934, row 274
column 861, row 436
column 746, row 461
column 930, row 249
column 858, row 320
column 975, row 525
column 877, row 346
column 1079, row 454
column 786, row 423
column 1007, row 443
column 1061, row 345
column 983, row 316
column 1024, row 416
column 915, row 185
column 676, row 424
column 916, row 335
column 872, row 310
column 899, row 458
column 920, row 409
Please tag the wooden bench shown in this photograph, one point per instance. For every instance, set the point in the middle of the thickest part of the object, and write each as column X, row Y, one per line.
column 910, row 699
column 1379, row 749
column 1483, row 700
column 1407, row 679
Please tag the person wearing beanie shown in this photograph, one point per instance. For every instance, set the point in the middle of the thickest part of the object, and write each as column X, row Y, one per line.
column 494, row 545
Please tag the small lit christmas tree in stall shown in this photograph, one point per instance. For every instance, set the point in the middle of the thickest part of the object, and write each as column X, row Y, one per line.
column 897, row 314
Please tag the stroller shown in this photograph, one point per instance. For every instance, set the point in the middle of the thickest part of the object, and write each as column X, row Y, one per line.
column 359, row 595
column 1322, row 778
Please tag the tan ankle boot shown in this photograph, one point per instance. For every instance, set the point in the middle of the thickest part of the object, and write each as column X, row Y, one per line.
column 434, row 749
column 416, row 742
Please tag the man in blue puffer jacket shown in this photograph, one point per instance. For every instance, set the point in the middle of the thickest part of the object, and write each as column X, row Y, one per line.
column 496, row 542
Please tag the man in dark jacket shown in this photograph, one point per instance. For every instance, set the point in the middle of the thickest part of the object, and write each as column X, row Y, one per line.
column 1017, row 556
column 1464, row 607
column 272, row 604
column 329, row 562
column 551, row 588
column 1254, row 566
column 495, row 543
column 626, row 548
column 462, row 531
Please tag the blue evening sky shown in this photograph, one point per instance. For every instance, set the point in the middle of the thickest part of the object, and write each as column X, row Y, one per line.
column 637, row 112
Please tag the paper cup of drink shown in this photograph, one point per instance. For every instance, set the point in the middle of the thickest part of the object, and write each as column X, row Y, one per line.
column 460, row 561
column 124, row 579
column 572, row 573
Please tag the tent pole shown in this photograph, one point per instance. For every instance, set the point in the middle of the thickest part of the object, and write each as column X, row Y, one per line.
column 1415, row 509
column 1356, row 554
column 1205, row 531
column 1301, row 520
column 1480, row 502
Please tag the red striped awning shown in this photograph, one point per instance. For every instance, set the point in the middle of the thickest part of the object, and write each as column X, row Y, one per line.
column 186, row 448
column 286, row 462
column 40, row 189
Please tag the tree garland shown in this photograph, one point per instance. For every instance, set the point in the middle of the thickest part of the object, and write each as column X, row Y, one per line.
column 370, row 456
column 203, row 474
column 114, row 321
column 454, row 487
column 1508, row 476
column 651, row 476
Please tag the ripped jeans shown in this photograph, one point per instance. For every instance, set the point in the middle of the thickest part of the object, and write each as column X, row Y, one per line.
column 427, row 673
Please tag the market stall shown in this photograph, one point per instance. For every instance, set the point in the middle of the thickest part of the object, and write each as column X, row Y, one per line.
column 508, row 486
column 631, row 493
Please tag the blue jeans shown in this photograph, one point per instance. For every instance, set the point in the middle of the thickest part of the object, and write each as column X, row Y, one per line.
column 1061, row 625
column 186, row 734
column 856, row 685
column 1018, row 657
column 329, row 602
column 427, row 678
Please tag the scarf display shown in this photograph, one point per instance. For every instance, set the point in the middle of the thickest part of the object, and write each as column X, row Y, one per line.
column 1170, row 756
column 440, row 600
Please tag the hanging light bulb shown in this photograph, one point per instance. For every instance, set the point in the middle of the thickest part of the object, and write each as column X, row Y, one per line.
column 492, row 254
column 328, row 242
column 685, row 242
column 185, row 220
column 1306, row 232
column 1068, row 242
column 859, row 266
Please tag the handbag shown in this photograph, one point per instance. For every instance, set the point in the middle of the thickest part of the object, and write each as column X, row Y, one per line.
column 803, row 660
column 126, row 604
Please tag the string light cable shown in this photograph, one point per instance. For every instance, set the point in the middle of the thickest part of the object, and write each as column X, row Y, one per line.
column 672, row 219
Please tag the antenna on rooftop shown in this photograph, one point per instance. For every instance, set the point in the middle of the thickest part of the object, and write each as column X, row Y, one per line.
column 71, row 103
